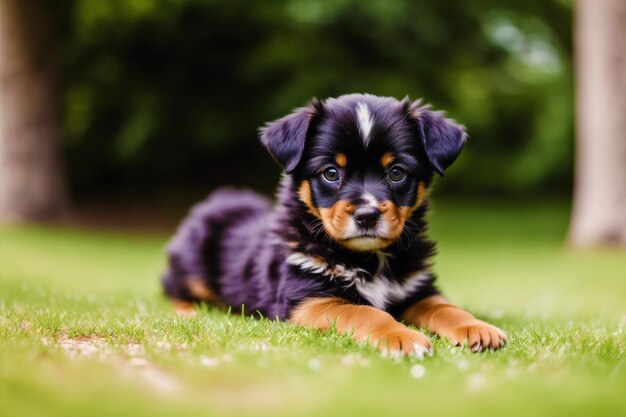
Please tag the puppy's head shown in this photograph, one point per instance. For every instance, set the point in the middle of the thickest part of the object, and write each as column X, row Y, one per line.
column 363, row 163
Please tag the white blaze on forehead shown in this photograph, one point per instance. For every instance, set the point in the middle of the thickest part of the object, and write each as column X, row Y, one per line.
column 366, row 121
column 370, row 200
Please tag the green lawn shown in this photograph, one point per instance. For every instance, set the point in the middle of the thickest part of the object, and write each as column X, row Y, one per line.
column 85, row 331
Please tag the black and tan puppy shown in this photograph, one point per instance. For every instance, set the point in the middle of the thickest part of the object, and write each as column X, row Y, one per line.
column 345, row 244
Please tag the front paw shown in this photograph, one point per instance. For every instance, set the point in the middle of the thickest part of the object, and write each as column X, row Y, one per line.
column 398, row 342
column 478, row 335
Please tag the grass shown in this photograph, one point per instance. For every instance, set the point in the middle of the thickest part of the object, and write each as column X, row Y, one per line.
column 84, row 331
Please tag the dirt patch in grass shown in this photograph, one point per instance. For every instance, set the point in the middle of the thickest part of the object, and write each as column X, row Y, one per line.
column 128, row 359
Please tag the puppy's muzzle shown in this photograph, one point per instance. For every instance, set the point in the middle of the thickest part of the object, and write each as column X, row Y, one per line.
column 366, row 217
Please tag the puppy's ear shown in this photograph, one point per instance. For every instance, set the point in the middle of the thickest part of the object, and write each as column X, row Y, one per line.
column 442, row 138
column 285, row 137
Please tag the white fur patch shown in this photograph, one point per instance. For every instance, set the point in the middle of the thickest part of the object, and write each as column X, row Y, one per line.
column 308, row 263
column 378, row 290
column 366, row 121
column 370, row 199
column 365, row 243
column 315, row 265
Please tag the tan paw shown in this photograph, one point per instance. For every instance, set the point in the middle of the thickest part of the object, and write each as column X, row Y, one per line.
column 478, row 335
column 398, row 342
column 184, row 308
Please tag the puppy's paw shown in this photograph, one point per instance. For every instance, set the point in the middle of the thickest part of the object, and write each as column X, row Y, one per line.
column 478, row 335
column 184, row 308
column 399, row 342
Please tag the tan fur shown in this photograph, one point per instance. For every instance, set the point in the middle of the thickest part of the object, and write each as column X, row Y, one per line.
column 436, row 314
column 198, row 288
column 395, row 217
column 407, row 212
column 335, row 218
column 304, row 193
column 386, row 159
column 341, row 159
column 184, row 308
column 364, row 323
column 421, row 194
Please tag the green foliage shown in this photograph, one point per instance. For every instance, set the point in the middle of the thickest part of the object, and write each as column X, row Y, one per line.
column 85, row 331
column 172, row 91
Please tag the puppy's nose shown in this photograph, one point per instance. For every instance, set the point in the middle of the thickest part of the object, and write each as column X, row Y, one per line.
column 366, row 216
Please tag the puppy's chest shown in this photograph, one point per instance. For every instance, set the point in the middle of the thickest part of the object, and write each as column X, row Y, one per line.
column 379, row 287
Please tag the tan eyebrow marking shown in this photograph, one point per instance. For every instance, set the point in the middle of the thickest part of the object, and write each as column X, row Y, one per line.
column 341, row 159
column 386, row 159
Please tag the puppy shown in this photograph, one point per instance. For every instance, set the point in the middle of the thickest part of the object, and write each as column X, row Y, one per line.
column 344, row 247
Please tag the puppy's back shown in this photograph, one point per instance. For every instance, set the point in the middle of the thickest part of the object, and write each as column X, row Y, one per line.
column 195, row 259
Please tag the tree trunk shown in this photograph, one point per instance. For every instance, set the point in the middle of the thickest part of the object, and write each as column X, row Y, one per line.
column 31, row 175
column 599, row 212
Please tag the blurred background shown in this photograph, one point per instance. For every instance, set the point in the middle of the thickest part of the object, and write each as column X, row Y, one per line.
column 144, row 106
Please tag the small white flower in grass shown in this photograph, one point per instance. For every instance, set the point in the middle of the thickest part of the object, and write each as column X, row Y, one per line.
column 498, row 314
column 511, row 372
column 418, row 371
column 476, row 381
column 210, row 362
column 138, row 362
column 348, row 360
column 261, row 346
column 135, row 349
column 227, row 357
column 314, row 364
column 392, row 354
column 462, row 364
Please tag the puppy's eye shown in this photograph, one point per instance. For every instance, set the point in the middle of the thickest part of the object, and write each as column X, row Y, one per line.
column 331, row 174
column 397, row 174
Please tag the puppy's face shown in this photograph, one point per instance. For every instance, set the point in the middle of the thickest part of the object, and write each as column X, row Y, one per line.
column 363, row 163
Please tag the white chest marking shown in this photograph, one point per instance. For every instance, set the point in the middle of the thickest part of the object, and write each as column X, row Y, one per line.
column 366, row 122
column 378, row 290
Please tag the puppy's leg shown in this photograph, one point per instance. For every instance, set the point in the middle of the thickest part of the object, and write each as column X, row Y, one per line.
column 364, row 323
column 187, row 291
column 184, row 308
column 436, row 314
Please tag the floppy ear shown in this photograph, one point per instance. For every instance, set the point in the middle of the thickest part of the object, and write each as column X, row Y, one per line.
column 285, row 137
column 442, row 138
